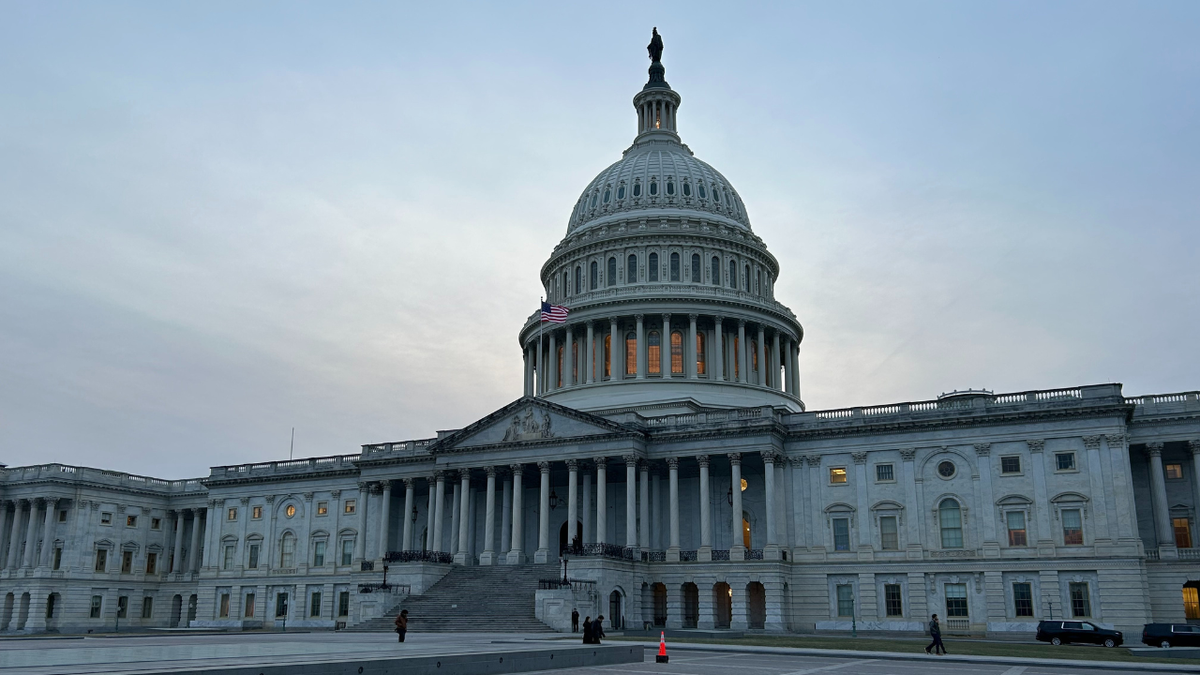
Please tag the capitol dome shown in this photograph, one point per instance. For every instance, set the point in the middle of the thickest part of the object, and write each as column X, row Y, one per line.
column 671, row 295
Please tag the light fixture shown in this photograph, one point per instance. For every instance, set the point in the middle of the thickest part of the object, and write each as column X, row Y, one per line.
column 553, row 500
column 414, row 514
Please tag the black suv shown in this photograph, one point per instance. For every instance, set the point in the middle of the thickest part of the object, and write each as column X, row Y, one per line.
column 1063, row 632
column 1171, row 635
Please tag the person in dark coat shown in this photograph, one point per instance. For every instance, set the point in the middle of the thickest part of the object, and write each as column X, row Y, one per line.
column 935, row 631
column 574, row 620
column 587, row 631
column 402, row 624
column 597, row 629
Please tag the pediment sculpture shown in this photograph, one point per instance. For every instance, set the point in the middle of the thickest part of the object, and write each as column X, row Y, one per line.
column 528, row 427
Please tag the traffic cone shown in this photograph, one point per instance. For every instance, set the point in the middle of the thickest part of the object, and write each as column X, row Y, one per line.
column 662, row 648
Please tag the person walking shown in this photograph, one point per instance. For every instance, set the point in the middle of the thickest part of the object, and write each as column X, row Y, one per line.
column 935, row 631
column 587, row 631
column 402, row 624
column 597, row 629
column 574, row 620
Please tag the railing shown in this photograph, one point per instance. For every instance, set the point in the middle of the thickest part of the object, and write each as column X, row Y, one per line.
column 418, row 556
column 44, row 471
column 310, row 465
column 368, row 566
column 951, row 403
column 412, row 448
column 1189, row 554
column 687, row 556
column 1151, row 554
column 958, row 625
column 608, row 551
column 754, row 554
column 394, row 589
column 720, row 554
column 1154, row 399
column 654, row 556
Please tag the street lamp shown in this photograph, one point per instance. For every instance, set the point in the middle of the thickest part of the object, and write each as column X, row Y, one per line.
column 553, row 500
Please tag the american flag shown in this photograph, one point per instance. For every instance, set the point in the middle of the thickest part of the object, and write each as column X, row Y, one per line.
column 553, row 313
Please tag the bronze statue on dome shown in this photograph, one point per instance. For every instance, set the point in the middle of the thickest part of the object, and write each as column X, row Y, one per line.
column 655, row 47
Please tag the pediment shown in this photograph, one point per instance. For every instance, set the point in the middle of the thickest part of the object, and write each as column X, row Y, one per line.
column 529, row 420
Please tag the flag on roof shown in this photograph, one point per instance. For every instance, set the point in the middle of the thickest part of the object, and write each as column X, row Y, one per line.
column 553, row 313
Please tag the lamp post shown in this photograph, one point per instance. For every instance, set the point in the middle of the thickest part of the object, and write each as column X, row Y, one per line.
column 384, row 586
column 853, row 614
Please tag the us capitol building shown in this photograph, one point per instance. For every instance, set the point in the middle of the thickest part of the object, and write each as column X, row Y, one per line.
column 662, row 447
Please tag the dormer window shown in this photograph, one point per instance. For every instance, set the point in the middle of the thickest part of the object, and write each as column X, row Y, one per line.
column 607, row 194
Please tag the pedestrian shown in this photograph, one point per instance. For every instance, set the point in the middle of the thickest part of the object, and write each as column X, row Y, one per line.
column 597, row 629
column 402, row 624
column 935, row 631
column 587, row 631
column 574, row 620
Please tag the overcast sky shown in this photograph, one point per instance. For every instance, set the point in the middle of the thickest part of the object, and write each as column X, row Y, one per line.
column 220, row 221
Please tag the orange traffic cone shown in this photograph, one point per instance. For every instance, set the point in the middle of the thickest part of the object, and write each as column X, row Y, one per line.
column 662, row 648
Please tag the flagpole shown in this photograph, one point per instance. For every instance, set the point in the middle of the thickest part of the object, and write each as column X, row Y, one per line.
column 541, row 322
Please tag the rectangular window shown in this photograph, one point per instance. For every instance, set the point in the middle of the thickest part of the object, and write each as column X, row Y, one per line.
column 126, row 562
column 314, row 604
column 1064, row 461
column 956, row 600
column 1016, row 528
column 232, row 514
column 1191, row 602
column 347, row 551
column 58, row 557
column 1011, row 464
column 1174, row 471
column 322, row 508
column 122, row 606
column 224, row 610
column 96, row 603
column 1183, row 532
column 837, row 474
column 256, row 512
column 156, row 523
column 249, row 611
column 889, row 538
column 318, row 554
column 1023, row 599
column 344, row 603
column 106, row 519
column 885, row 473
column 891, row 600
column 281, row 605
column 151, row 563
column 845, row 600
column 227, row 562
column 147, row 607
column 1072, row 524
column 130, row 521
column 349, row 508
column 253, row 562
column 1081, row 604
column 101, row 559
column 62, row 516
column 841, row 534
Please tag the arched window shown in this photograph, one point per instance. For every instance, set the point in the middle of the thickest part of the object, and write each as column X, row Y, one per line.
column 950, row 519
column 612, row 271
column 676, row 352
column 578, row 280
column 670, row 187
column 593, row 204
column 559, row 370
column 654, row 353
column 716, row 271
column 595, row 276
column 652, row 268
column 637, row 189
column 703, row 194
column 687, row 189
column 747, row 279
column 653, row 188
column 575, row 361
column 630, row 353
column 699, row 353
column 716, row 194
column 733, row 274
column 607, row 194
column 287, row 550
column 631, row 269
column 608, row 355
column 675, row 267
column 695, row 268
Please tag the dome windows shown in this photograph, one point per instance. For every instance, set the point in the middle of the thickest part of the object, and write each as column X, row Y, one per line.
column 674, row 265
column 654, row 353
column 652, row 268
column 703, row 194
column 637, row 189
column 716, row 269
column 620, row 193
column 631, row 272
column 612, row 271
column 695, row 268
column 578, row 280
column 653, row 188
column 595, row 276
column 716, row 195
column 687, row 189
column 607, row 194
column 593, row 204
column 670, row 187
column 733, row 274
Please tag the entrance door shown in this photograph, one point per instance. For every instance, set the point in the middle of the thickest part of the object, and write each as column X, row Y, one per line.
column 614, row 609
column 691, row 605
column 191, row 615
column 756, row 599
column 563, row 542
column 660, row 604
column 176, row 610
column 722, row 605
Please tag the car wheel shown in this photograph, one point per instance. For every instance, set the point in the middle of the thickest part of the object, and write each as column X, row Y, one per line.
column 1109, row 642
column 1055, row 641
column 1164, row 644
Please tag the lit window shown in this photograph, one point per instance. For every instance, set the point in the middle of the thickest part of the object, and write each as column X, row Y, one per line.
column 1174, row 471
column 885, row 473
column 1016, row 528
column 631, row 353
column 290, row 510
column 232, row 514
column 349, row 507
column 1064, row 461
column 1072, row 523
column 699, row 353
column 287, row 550
column 841, row 534
column 652, row 267
column 956, row 600
column 631, row 273
column 1081, row 602
column 889, row 537
column 1010, row 464
column 654, row 353
column 845, row 600
column 130, row 521
column 837, row 474
column 1023, row 599
column 676, row 352
column 256, row 512
column 1191, row 602
column 1183, row 532
column 322, row 508
column 893, row 605
column 950, row 520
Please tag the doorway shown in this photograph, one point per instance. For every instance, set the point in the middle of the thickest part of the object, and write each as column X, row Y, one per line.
column 191, row 612
column 660, row 604
column 691, row 605
column 756, row 600
column 564, row 544
column 722, row 605
column 176, row 610
column 614, row 610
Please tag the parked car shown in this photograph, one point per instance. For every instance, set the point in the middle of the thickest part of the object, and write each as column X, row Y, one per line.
column 1171, row 635
column 1063, row 632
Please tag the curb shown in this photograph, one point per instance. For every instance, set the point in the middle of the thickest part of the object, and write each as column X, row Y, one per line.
column 909, row 656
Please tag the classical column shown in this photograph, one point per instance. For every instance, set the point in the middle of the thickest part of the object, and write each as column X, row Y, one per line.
column 569, row 358
column 591, row 353
column 464, row 498
column 664, row 352
column 705, row 506
column 385, row 520
column 194, row 549
column 601, row 500
column 789, row 383
column 515, row 556
column 527, row 391
column 735, row 469
column 506, row 517
column 14, row 539
column 586, row 511
column 543, row 550
column 360, row 542
column 762, row 356
column 641, row 348
column 454, row 511
column 1158, row 490
column 177, row 559
column 717, row 349
column 743, row 374
column 410, row 496
column 31, row 534
column 439, row 512
column 489, row 525
column 540, row 374
column 1194, row 446
column 572, row 500
column 616, row 351
column 431, row 512
column 769, row 481
column 773, row 381
column 673, row 498
column 692, row 366
column 552, row 383
column 795, row 368
column 48, row 532
column 631, row 501
column 644, row 511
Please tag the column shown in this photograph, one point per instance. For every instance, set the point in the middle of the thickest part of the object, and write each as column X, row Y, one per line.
column 775, row 370
column 616, row 351
column 543, row 550
column 789, row 383
column 769, row 481
column 431, row 512
column 717, row 350
column 673, row 507
column 506, row 517
column 489, row 525
column 587, row 509
column 572, row 500
column 552, row 383
column 439, row 514
column 528, row 390
column 601, row 500
column 515, row 556
column 14, row 539
column 464, row 509
column 795, row 368
column 692, row 355
column 360, row 542
column 194, row 549
column 631, row 501
column 569, row 358
column 454, row 512
column 591, row 353
column 735, row 469
column 31, row 534
column 1123, row 496
column 705, row 510
column 743, row 374
column 664, row 351
column 762, row 356
column 641, row 348
column 177, row 560
column 1158, row 491
column 644, row 511
column 385, row 520
column 48, row 533
column 410, row 497
column 5, row 526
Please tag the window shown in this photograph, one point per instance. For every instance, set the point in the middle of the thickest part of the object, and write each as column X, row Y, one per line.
column 715, row 271
column 885, row 473
column 62, row 518
column 956, row 600
column 631, row 353
column 1072, row 524
column 344, row 603
column 122, row 606
column 612, row 272
column 1011, row 464
column 96, row 603
column 950, row 520
column 559, row 368
column 155, row 523
column 224, row 606
column 1174, row 471
column 654, row 353
column 1016, row 528
column 1023, row 599
column 893, row 606
column 58, row 557
column 314, row 600
column 637, row 189
column 687, row 189
column 889, row 536
column 845, row 600
column 249, row 605
column 608, row 355
column 841, row 534
column 695, row 268
column 253, row 562
column 1183, row 532
column 347, row 551
column 322, row 508
column 946, row 469
column 287, row 550
column 653, row 186
column 592, row 204
column 1064, row 461
column 290, row 510
column 631, row 273
column 676, row 352
column 746, row 280
column 621, row 192
column 1191, row 602
column 130, row 521
column 607, row 194
column 281, row 605
column 652, row 267
column 837, row 474
column 703, row 192
column 1081, row 604
column 758, row 281
column 594, row 276
column 256, row 512
column 318, row 554
column 126, row 562
column 578, row 280
column 147, row 607
column 670, row 187
column 101, row 559
column 106, row 519
column 151, row 562
column 675, row 267
column 733, row 274
column 699, row 353
column 227, row 562
column 349, row 507
column 716, row 194
column 232, row 515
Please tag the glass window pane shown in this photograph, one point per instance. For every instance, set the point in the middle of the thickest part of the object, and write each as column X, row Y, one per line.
column 888, row 534
column 695, row 268
column 1023, row 599
column 892, row 600
column 652, row 267
column 1065, row 461
column 716, row 272
column 733, row 275
column 631, row 353
column 612, row 272
column 837, row 474
column 1016, row 528
column 1072, row 524
column 675, row 267
column 676, row 353
column 956, row 600
column 631, row 271
column 845, row 600
column 841, row 534
column 1191, row 602
column 885, row 472
column 1183, row 532
column 1081, row 603
column 654, row 353
column 1010, row 465
column 950, row 519
column 700, row 353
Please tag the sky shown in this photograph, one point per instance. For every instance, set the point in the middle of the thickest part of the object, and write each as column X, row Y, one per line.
column 220, row 221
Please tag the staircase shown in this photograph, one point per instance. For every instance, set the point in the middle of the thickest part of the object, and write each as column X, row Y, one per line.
column 474, row 599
